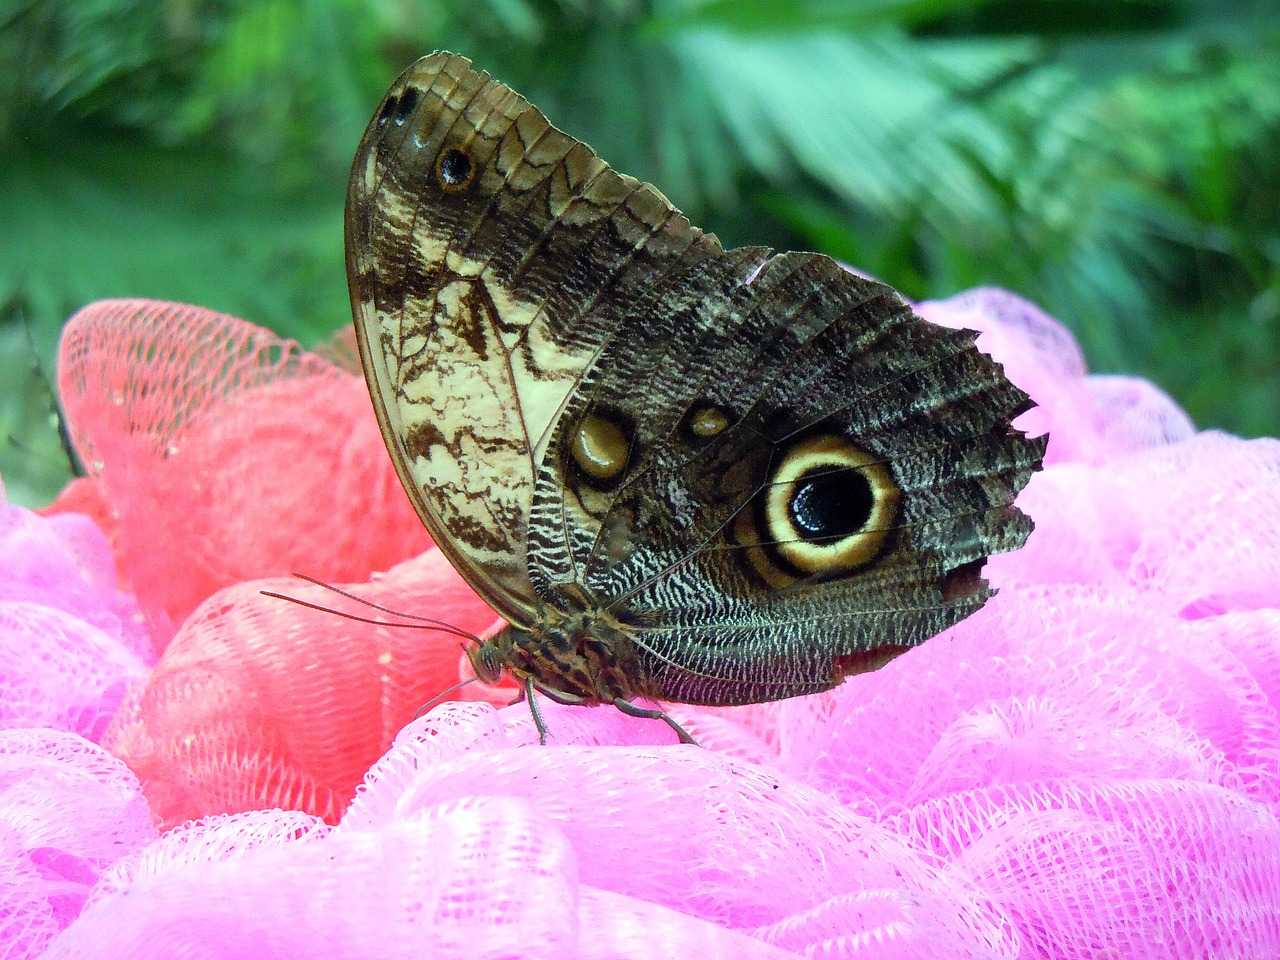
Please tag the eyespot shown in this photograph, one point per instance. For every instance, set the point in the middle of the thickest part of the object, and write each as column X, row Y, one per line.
column 828, row 507
column 454, row 170
column 601, row 449
column 829, row 504
column 704, row 421
column 397, row 108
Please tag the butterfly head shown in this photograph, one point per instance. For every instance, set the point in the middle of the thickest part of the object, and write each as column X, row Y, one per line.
column 576, row 656
column 487, row 661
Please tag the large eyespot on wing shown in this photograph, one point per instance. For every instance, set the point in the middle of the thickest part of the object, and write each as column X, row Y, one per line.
column 825, row 510
column 490, row 257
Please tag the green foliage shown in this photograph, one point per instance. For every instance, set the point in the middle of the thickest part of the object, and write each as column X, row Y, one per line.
column 1116, row 162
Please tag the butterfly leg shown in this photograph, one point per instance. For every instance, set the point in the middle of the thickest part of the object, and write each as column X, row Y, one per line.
column 626, row 706
column 631, row 710
column 556, row 696
column 527, row 694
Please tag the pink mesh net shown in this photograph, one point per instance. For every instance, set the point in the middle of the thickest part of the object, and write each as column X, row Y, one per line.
column 1087, row 768
column 71, row 643
column 68, row 812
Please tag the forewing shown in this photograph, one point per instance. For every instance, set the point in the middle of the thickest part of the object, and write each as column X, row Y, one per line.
column 490, row 259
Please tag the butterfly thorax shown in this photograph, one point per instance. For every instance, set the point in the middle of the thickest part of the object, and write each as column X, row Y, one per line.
column 583, row 656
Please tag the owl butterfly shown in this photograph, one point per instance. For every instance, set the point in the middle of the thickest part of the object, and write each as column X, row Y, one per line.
column 679, row 472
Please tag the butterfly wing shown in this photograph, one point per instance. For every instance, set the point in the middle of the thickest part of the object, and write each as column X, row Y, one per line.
column 490, row 259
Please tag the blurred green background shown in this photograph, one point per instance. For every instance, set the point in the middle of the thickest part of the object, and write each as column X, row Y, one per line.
column 1116, row 161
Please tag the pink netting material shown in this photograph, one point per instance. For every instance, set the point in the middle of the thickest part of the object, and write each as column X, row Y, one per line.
column 1089, row 767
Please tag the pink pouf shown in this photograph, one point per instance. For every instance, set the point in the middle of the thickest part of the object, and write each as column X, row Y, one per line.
column 1087, row 768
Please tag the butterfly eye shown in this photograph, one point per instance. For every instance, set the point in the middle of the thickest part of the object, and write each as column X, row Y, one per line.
column 829, row 506
column 486, row 662
column 454, row 170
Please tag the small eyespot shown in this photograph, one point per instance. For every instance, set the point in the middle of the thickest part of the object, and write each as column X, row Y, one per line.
column 601, row 449
column 454, row 170
column 397, row 108
column 705, row 421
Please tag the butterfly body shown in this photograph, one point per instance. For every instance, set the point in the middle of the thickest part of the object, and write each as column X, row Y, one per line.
column 590, row 656
column 680, row 472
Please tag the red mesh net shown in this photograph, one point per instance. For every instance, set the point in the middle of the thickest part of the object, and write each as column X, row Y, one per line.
column 259, row 702
column 227, row 453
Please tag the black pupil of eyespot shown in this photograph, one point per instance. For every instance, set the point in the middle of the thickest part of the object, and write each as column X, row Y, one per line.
column 454, row 167
column 831, row 503
column 399, row 108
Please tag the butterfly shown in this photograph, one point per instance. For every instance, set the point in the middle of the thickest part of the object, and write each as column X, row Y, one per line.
column 679, row 472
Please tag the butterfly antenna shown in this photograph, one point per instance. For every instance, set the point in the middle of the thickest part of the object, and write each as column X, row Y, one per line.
column 420, row 622
column 440, row 696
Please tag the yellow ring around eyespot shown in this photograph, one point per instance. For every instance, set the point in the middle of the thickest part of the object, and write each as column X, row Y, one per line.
column 600, row 448
column 447, row 185
column 828, row 452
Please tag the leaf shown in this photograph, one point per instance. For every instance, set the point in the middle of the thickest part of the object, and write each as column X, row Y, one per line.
column 781, row 17
column 88, row 220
